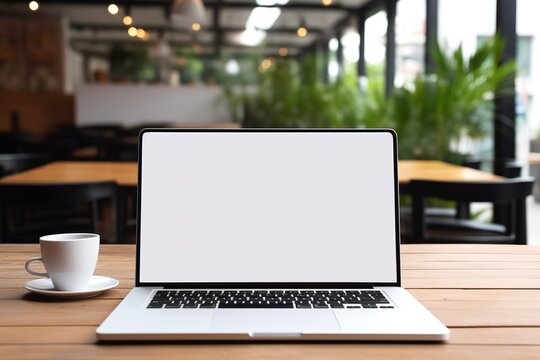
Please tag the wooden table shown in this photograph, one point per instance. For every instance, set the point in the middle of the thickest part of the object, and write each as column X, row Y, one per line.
column 489, row 296
column 125, row 173
column 439, row 170
column 534, row 163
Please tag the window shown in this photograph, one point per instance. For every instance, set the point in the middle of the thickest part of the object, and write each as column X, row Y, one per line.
column 528, row 79
column 410, row 39
column 462, row 22
column 375, row 49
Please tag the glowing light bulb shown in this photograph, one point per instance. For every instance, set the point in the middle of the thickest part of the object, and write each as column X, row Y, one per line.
column 283, row 52
column 327, row 2
column 302, row 31
column 265, row 64
column 113, row 9
column 132, row 31
column 127, row 20
column 196, row 26
column 33, row 5
column 141, row 33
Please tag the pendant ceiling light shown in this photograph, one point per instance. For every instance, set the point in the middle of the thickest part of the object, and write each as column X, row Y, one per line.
column 127, row 19
column 302, row 30
column 188, row 11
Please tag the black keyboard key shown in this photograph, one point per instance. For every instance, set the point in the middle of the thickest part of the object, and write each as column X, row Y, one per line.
column 208, row 305
column 369, row 302
column 301, row 299
column 335, row 305
column 160, row 301
column 320, row 306
column 191, row 305
column 255, row 306
column 369, row 306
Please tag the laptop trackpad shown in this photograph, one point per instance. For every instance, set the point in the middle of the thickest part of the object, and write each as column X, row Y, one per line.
column 274, row 321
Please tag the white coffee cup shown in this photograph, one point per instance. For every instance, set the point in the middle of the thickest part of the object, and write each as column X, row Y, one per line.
column 69, row 259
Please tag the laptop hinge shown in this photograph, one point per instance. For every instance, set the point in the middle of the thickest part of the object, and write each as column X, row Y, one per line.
column 270, row 287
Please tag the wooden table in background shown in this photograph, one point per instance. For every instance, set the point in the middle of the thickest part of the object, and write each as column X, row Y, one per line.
column 488, row 295
column 439, row 170
column 125, row 173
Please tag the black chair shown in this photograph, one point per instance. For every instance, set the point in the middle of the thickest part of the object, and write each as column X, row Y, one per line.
column 16, row 141
column 91, row 136
column 510, row 192
column 461, row 210
column 14, row 163
column 119, row 149
column 510, row 169
column 28, row 211
column 472, row 162
column 134, row 131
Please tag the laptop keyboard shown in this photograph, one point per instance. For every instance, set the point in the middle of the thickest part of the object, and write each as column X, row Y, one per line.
column 269, row 299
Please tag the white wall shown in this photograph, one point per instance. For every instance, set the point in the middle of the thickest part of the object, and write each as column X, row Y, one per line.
column 131, row 105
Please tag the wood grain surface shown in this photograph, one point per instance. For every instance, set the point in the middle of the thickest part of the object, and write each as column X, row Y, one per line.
column 489, row 296
column 125, row 173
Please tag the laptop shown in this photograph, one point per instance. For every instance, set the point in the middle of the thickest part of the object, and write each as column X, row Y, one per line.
column 269, row 235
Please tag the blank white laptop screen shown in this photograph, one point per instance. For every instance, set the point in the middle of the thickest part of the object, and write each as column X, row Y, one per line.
column 303, row 207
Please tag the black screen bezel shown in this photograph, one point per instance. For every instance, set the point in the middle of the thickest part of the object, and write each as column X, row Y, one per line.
column 269, row 285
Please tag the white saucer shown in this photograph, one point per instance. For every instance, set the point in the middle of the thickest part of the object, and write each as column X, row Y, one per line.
column 97, row 285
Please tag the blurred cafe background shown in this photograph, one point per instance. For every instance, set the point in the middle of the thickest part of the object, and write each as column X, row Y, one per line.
column 457, row 79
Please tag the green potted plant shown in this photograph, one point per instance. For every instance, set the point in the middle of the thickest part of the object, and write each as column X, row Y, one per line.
column 131, row 64
column 290, row 93
column 438, row 110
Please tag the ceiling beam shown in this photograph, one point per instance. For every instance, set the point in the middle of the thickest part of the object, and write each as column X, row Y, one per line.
column 204, row 55
column 289, row 6
column 133, row 41
column 209, row 3
column 172, row 29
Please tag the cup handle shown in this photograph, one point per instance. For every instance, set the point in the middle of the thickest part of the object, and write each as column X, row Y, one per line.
column 27, row 266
